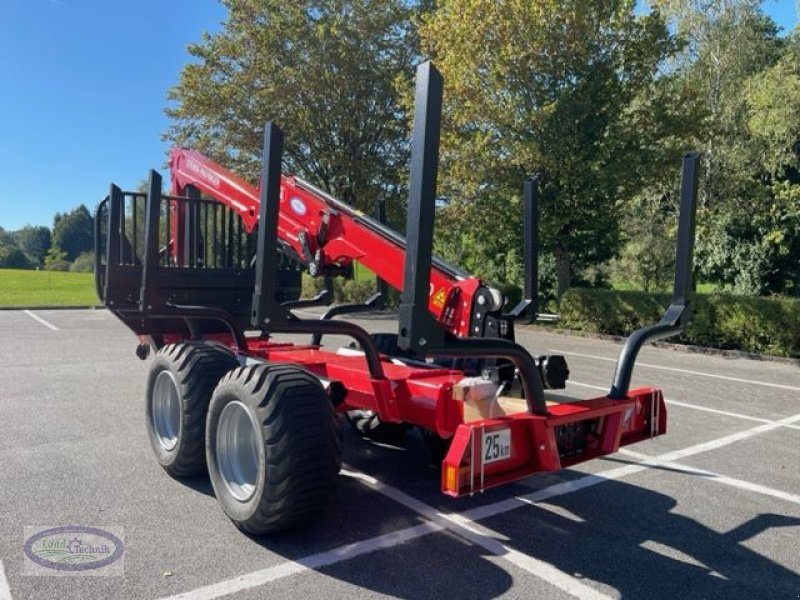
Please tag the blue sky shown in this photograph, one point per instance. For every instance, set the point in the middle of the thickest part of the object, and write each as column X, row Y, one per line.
column 83, row 91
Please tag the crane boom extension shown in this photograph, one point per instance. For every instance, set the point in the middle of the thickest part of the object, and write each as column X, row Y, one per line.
column 327, row 234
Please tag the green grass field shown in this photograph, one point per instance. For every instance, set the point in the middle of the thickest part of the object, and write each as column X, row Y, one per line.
column 46, row 288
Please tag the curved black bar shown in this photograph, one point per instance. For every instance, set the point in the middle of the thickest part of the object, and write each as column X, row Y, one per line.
column 203, row 312
column 352, row 330
column 97, row 264
column 499, row 348
column 678, row 313
column 634, row 343
column 321, row 299
column 372, row 303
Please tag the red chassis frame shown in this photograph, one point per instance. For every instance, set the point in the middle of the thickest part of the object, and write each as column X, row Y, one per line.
column 419, row 395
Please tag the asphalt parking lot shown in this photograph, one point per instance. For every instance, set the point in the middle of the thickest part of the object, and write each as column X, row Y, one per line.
column 710, row 510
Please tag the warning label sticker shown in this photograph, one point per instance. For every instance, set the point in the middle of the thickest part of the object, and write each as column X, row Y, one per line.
column 439, row 298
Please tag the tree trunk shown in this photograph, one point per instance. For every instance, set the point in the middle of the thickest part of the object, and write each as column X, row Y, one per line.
column 563, row 275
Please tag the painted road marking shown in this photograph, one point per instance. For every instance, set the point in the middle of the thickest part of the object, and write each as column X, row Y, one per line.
column 36, row 317
column 696, row 407
column 779, row 386
column 728, row 413
column 312, row 562
column 483, row 537
column 5, row 591
column 711, row 475
column 468, row 518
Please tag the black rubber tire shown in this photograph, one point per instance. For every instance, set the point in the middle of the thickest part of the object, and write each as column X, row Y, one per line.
column 299, row 450
column 196, row 368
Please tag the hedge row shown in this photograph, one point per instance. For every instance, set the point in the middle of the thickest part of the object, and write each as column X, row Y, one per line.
column 751, row 324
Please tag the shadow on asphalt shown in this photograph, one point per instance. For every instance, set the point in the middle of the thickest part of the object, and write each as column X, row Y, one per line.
column 623, row 536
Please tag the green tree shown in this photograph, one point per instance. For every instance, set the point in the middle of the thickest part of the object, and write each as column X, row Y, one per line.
column 12, row 257
column 6, row 237
column 746, row 77
column 545, row 87
column 73, row 232
column 34, row 241
column 324, row 71
column 56, row 259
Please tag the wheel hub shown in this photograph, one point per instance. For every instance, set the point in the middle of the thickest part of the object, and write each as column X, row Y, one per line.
column 166, row 410
column 237, row 451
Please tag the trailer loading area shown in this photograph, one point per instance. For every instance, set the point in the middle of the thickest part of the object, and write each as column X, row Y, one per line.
column 711, row 509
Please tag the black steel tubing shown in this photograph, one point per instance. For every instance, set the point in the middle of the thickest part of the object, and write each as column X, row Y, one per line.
column 346, row 309
column 151, row 239
column 321, row 299
column 499, row 348
column 264, row 295
column 418, row 330
column 98, row 264
column 352, row 330
column 203, row 312
column 677, row 315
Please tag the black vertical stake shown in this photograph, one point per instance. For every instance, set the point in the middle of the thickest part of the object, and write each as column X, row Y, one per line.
column 151, row 239
column 190, row 239
column 531, row 262
column 382, row 288
column 530, row 297
column 115, row 206
column 684, row 256
column 418, row 329
column 266, row 254
column 678, row 313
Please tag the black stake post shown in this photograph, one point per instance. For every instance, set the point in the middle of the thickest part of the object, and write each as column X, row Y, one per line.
column 151, row 240
column 530, row 299
column 418, row 329
column 678, row 313
column 192, row 223
column 264, row 305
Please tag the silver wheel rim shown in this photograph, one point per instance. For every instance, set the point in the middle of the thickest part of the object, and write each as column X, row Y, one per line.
column 237, row 451
column 166, row 409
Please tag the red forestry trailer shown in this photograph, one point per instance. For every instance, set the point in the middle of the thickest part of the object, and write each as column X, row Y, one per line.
column 206, row 275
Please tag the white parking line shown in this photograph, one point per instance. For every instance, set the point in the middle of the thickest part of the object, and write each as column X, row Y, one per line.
column 36, row 317
column 5, row 591
column 465, row 520
column 314, row 561
column 483, row 537
column 711, row 475
column 779, row 386
column 695, row 407
column 728, row 413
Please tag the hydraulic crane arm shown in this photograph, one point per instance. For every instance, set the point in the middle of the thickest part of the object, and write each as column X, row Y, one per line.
column 328, row 235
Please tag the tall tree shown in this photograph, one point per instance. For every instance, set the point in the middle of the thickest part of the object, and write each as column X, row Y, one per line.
column 34, row 242
column 73, row 232
column 543, row 87
column 730, row 47
column 325, row 71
